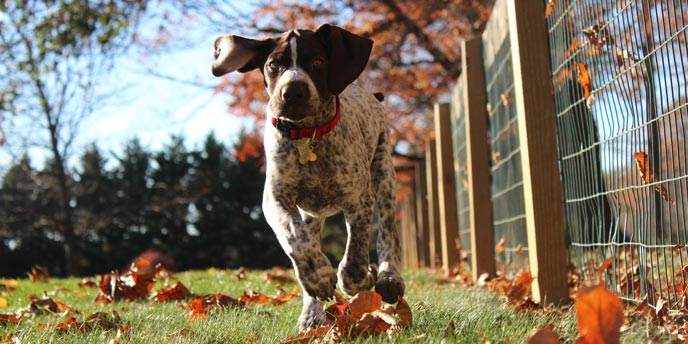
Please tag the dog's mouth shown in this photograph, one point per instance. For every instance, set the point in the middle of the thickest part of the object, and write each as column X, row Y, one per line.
column 292, row 112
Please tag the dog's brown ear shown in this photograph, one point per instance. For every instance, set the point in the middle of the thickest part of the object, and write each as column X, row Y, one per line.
column 239, row 53
column 348, row 55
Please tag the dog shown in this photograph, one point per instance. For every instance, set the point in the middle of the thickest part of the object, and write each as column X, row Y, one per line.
column 328, row 149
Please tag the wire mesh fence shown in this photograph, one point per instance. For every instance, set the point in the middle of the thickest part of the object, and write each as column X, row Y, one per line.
column 507, row 180
column 619, row 75
column 459, row 139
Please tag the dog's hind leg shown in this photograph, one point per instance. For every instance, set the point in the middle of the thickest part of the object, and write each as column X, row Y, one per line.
column 389, row 282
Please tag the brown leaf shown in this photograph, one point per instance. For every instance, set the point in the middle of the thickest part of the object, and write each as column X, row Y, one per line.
column 372, row 324
column 364, row 302
column 648, row 176
column 600, row 315
column 501, row 245
column 199, row 307
column 254, row 297
column 543, row 335
column 286, row 297
column 87, row 282
column 241, row 273
column 521, row 287
column 176, row 292
column 281, row 279
column 599, row 35
column 103, row 320
column 39, row 274
column 404, row 311
column 9, row 319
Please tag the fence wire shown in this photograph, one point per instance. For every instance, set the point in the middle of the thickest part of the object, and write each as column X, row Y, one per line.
column 459, row 140
column 507, row 178
column 619, row 72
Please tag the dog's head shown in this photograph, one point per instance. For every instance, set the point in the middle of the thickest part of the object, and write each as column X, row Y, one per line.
column 303, row 70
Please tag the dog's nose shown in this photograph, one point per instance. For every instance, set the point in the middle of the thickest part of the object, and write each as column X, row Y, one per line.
column 296, row 91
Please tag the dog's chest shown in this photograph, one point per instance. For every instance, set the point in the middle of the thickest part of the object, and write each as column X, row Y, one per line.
column 338, row 175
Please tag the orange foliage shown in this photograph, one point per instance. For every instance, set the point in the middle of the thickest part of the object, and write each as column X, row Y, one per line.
column 600, row 315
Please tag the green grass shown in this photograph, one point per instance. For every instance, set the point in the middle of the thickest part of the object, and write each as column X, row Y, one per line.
column 478, row 314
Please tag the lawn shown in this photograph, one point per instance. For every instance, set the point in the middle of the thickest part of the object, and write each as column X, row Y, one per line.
column 442, row 311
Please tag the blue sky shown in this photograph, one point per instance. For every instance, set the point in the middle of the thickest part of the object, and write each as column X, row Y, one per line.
column 152, row 108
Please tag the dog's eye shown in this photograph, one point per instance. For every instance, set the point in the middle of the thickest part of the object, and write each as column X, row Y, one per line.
column 317, row 63
column 273, row 65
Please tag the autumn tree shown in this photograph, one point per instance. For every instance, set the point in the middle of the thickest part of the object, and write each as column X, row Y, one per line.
column 52, row 55
column 415, row 60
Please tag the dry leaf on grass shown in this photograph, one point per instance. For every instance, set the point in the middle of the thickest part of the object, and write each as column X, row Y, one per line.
column 599, row 314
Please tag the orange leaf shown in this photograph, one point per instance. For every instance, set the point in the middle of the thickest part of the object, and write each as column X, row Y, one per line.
column 584, row 80
column 9, row 319
column 39, row 273
column 648, row 176
column 521, row 287
column 364, row 302
column 549, row 8
column 253, row 297
column 543, row 335
column 199, row 307
column 176, row 292
column 278, row 300
column 501, row 245
column 404, row 311
column 371, row 323
column 600, row 315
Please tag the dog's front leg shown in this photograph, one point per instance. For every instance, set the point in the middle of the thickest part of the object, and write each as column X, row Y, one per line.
column 355, row 273
column 299, row 236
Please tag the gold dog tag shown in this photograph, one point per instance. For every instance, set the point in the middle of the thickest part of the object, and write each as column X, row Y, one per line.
column 305, row 149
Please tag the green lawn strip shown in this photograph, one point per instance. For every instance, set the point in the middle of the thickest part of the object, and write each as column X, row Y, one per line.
column 477, row 314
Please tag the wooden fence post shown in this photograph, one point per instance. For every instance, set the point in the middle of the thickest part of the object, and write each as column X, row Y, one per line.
column 537, row 134
column 446, row 188
column 422, row 214
column 434, row 227
column 477, row 158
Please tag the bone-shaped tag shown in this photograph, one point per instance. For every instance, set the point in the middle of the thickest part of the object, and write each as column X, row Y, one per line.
column 305, row 149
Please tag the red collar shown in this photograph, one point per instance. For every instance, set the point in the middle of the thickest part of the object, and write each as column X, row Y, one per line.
column 298, row 133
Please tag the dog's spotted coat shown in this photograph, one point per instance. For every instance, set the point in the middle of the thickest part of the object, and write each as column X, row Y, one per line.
column 304, row 72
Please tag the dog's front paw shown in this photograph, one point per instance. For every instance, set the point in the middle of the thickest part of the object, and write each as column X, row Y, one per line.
column 321, row 283
column 312, row 315
column 353, row 280
column 390, row 285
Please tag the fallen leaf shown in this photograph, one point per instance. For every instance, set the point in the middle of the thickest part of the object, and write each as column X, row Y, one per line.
column 404, row 311
column 241, row 273
column 199, row 307
column 600, row 315
column 3, row 302
column 253, row 297
column 177, row 292
column 9, row 319
column 520, row 288
column 285, row 297
column 364, row 302
column 543, row 335
column 648, row 176
column 281, row 279
column 39, row 273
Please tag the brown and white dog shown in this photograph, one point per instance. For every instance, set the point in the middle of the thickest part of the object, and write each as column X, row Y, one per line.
column 327, row 143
